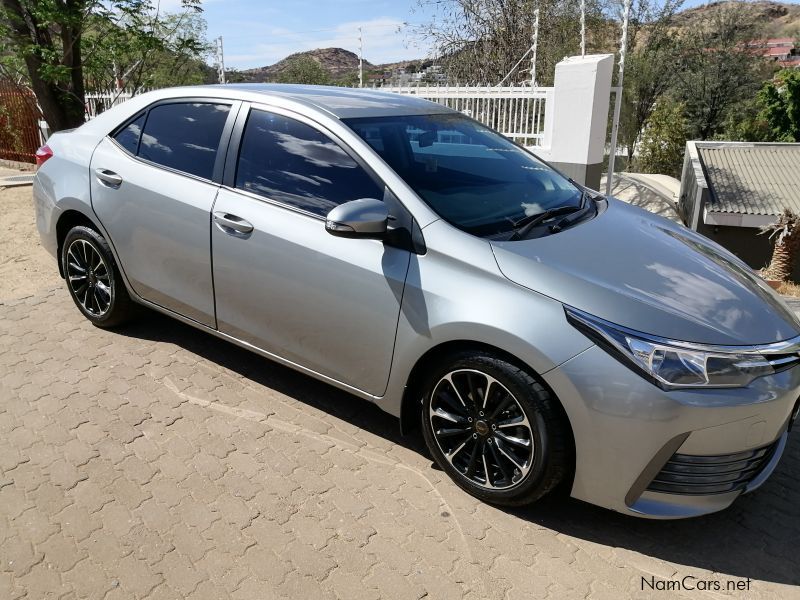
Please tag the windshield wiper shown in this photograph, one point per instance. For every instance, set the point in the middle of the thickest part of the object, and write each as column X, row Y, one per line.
column 523, row 226
column 570, row 220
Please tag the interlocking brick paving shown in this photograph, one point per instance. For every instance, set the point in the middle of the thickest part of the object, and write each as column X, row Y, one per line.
column 159, row 462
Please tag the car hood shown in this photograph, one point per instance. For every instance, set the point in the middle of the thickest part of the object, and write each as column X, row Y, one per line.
column 646, row 273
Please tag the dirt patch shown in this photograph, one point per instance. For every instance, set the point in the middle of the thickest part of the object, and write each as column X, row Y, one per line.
column 25, row 267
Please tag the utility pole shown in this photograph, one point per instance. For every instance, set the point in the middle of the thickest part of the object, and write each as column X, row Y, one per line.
column 118, row 84
column 583, row 28
column 220, row 61
column 535, row 45
column 360, row 59
column 623, row 47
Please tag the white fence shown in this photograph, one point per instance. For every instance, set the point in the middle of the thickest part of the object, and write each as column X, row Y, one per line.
column 519, row 113
column 97, row 102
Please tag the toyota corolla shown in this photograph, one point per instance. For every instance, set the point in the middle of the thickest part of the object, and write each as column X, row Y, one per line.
column 541, row 335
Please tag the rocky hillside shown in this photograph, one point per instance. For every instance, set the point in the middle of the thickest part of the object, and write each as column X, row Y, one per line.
column 780, row 20
column 337, row 61
column 340, row 63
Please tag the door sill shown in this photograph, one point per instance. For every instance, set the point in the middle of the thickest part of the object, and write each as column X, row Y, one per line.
column 261, row 352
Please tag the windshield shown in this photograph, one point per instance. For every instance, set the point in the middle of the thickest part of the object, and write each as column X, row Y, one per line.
column 471, row 176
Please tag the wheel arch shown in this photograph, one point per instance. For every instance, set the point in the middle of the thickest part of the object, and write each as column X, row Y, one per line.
column 67, row 220
column 410, row 405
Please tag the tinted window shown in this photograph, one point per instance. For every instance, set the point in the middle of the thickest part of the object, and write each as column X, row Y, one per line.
column 470, row 175
column 128, row 137
column 290, row 162
column 184, row 136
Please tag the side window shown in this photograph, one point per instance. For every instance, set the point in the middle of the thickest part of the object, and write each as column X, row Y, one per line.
column 184, row 136
column 290, row 162
column 128, row 137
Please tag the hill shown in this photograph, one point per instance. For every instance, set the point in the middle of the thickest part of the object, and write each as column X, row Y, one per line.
column 337, row 61
column 340, row 63
column 779, row 19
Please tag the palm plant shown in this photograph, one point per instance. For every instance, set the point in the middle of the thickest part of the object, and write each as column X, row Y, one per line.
column 786, row 232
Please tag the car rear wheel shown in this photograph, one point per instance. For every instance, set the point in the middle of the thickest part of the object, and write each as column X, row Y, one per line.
column 93, row 279
column 495, row 430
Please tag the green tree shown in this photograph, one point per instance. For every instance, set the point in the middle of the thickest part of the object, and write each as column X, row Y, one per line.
column 482, row 41
column 304, row 69
column 350, row 79
column 780, row 106
column 52, row 39
column 146, row 50
column 236, row 76
column 663, row 140
column 716, row 71
column 649, row 67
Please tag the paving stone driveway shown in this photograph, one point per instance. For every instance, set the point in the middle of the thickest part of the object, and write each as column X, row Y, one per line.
column 158, row 462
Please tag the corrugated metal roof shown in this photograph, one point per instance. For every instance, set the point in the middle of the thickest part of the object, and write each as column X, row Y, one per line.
column 758, row 179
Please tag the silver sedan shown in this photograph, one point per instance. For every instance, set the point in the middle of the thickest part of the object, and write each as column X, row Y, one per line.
column 544, row 338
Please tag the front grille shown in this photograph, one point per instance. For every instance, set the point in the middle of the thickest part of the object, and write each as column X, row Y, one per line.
column 704, row 475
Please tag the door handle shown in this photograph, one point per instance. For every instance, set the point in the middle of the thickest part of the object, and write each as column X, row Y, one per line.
column 229, row 221
column 108, row 177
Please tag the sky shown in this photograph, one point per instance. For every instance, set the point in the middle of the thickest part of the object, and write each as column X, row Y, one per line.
column 257, row 33
column 261, row 32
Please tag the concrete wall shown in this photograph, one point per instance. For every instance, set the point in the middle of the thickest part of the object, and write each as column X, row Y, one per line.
column 744, row 242
column 577, row 117
column 694, row 190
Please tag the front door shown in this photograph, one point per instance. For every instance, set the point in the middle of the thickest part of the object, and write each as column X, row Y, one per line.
column 152, row 189
column 284, row 284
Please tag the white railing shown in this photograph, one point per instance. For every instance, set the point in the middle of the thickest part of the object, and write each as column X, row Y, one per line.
column 518, row 112
column 97, row 102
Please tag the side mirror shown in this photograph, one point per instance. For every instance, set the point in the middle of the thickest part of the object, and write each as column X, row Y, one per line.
column 426, row 139
column 364, row 218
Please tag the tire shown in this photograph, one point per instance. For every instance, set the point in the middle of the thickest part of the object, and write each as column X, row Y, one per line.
column 93, row 279
column 518, row 409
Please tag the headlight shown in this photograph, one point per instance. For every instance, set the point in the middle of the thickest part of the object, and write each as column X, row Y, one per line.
column 673, row 364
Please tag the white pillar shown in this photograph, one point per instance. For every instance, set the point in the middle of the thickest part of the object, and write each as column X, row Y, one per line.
column 578, row 117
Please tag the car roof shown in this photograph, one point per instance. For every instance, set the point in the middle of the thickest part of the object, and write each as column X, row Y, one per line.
column 341, row 102
column 327, row 101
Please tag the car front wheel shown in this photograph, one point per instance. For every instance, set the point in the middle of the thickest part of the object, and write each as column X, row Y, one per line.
column 93, row 279
column 495, row 430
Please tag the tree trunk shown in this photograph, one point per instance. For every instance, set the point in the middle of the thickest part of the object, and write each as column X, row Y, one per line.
column 62, row 102
column 787, row 246
column 780, row 267
column 62, row 109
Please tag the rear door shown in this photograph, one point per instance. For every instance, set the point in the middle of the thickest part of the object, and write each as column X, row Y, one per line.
column 153, row 185
column 282, row 282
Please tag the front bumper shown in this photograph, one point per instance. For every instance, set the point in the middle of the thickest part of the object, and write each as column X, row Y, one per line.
column 644, row 451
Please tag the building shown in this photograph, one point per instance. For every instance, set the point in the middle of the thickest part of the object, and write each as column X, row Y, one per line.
column 781, row 50
column 731, row 189
column 430, row 75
